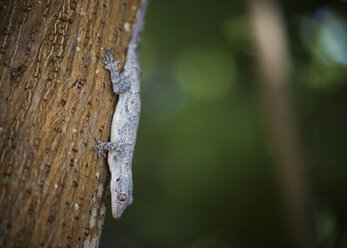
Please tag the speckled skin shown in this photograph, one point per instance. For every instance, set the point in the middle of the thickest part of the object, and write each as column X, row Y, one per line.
column 125, row 122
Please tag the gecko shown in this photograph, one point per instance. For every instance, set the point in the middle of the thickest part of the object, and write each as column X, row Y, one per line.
column 124, row 122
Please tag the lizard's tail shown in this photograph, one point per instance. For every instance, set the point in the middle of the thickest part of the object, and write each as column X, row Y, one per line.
column 139, row 23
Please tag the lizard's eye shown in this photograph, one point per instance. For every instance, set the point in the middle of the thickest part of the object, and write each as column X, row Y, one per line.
column 122, row 197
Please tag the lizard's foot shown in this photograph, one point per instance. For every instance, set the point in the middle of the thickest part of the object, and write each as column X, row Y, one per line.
column 108, row 146
column 110, row 64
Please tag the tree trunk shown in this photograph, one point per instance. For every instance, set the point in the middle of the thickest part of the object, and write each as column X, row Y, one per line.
column 55, row 97
column 274, row 67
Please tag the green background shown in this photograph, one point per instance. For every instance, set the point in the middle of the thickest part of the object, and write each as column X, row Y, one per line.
column 204, row 169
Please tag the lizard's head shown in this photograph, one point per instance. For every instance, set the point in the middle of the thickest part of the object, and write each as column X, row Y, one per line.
column 121, row 193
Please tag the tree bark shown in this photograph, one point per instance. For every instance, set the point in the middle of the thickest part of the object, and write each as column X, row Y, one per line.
column 55, row 97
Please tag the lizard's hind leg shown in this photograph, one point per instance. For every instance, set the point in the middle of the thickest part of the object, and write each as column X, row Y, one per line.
column 122, row 84
column 110, row 64
column 120, row 81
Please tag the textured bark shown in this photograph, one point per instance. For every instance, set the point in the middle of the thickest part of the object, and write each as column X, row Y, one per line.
column 55, row 97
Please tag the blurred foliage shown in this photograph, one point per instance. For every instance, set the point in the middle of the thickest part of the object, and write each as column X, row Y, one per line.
column 204, row 173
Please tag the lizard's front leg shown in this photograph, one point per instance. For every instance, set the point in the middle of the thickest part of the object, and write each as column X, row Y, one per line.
column 120, row 81
column 108, row 146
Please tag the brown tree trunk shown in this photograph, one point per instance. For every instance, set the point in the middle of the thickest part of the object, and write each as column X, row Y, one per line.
column 55, row 97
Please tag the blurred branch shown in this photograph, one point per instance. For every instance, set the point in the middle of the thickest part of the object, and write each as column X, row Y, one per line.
column 273, row 64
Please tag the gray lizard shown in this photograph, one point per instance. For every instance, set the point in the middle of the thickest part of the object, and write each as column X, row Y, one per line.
column 125, row 121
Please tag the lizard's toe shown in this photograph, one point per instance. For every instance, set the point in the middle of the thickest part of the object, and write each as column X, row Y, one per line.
column 100, row 153
column 108, row 59
column 99, row 141
column 104, row 61
column 109, row 54
column 101, row 147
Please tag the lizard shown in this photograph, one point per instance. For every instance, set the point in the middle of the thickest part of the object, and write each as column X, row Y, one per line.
column 124, row 122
